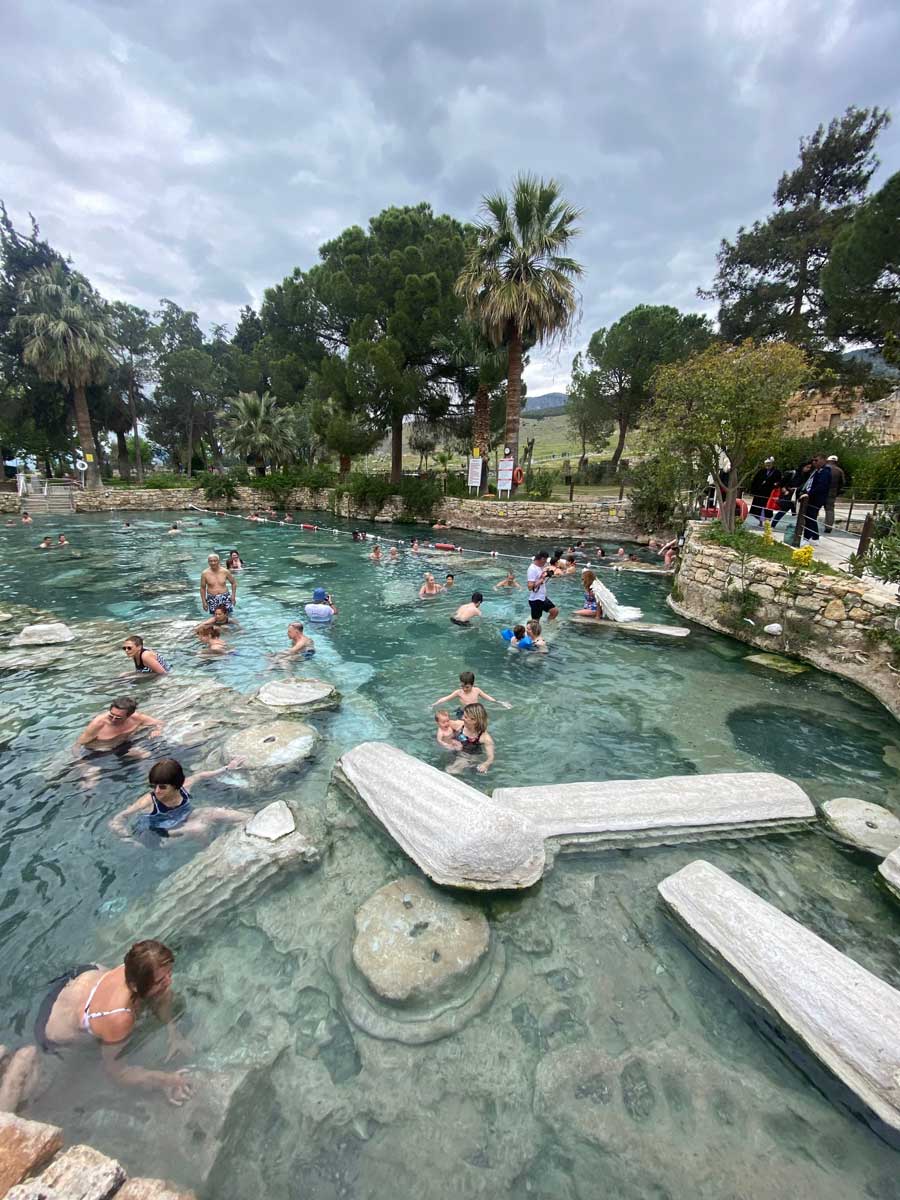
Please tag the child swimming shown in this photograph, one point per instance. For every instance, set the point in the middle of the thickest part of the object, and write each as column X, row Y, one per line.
column 473, row 737
column 468, row 693
column 534, row 632
column 517, row 637
column 446, row 735
column 167, row 810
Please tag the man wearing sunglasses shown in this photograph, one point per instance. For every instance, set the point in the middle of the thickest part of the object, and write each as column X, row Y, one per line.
column 113, row 730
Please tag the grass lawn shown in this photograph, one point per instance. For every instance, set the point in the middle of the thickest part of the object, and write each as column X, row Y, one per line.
column 751, row 543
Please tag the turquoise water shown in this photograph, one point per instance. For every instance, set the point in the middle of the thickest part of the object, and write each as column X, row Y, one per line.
column 592, row 967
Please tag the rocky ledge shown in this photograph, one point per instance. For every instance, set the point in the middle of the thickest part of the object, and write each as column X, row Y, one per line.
column 299, row 695
column 864, row 826
column 889, row 871
column 846, row 1018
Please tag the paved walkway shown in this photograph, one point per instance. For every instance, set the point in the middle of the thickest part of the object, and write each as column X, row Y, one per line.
column 835, row 548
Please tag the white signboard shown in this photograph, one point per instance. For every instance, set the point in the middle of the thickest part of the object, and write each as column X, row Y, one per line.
column 475, row 472
column 504, row 474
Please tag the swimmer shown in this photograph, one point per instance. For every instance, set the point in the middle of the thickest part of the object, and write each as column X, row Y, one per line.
column 620, row 553
column 466, row 612
column 591, row 606
column 571, row 567
column 46, row 544
column 288, row 519
column 533, row 629
column 472, row 735
column 449, row 581
column 26, row 518
column 146, row 661
column 220, row 619
column 509, row 582
column 440, row 525
column 601, row 553
column 113, row 729
column 393, row 556
column 468, row 693
column 211, row 635
column 126, row 524
column 415, row 546
column 173, row 528
column 234, row 562
column 91, row 1003
column 517, row 637
column 446, row 736
column 215, row 581
column 167, row 810
column 376, row 554
column 300, row 643
column 322, row 609
column 8, row 523
column 62, row 540
column 633, row 558
column 430, row 587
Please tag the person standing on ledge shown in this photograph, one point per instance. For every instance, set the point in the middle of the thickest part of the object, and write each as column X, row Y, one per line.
column 214, row 584
column 537, row 588
column 838, row 483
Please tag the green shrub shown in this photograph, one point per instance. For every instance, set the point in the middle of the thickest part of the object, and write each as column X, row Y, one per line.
column 419, row 496
column 164, row 480
column 736, row 607
column 218, row 487
column 455, row 485
column 368, row 491
column 539, row 483
column 885, row 637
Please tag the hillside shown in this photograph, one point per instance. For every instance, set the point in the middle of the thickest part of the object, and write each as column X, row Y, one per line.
column 547, row 402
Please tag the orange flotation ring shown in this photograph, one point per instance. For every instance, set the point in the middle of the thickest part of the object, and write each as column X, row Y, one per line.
column 308, row 526
column 444, row 546
column 742, row 508
column 518, row 476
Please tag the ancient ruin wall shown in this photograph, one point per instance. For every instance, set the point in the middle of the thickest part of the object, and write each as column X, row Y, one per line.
column 825, row 618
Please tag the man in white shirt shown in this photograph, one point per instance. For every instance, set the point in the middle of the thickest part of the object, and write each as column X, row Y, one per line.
column 322, row 609
column 537, row 588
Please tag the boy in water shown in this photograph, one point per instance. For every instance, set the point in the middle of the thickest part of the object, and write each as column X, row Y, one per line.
column 465, row 612
column 468, row 693
column 166, row 809
column 517, row 637
column 473, row 737
column 449, row 581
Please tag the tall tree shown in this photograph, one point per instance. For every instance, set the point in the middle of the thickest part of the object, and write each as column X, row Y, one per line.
column 518, row 279
column 768, row 279
column 861, row 281
column 725, row 403
column 626, row 355
column 588, row 411
column 477, row 367
column 66, row 339
column 132, row 348
column 259, row 431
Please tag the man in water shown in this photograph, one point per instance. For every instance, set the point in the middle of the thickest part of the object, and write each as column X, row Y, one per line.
column 537, row 588
column 449, row 581
column 214, row 584
column 466, row 612
column 113, row 730
column 173, row 528
column 62, row 540
column 322, row 609
column 46, row 544
column 26, row 518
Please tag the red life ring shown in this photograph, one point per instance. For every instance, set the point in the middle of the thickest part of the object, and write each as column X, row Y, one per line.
column 308, row 526
column 444, row 546
column 742, row 508
column 518, row 476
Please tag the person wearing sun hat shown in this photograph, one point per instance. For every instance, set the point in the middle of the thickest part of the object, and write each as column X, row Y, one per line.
column 321, row 609
column 838, row 482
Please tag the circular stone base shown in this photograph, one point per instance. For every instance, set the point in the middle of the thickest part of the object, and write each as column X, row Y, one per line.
column 299, row 695
column 273, row 745
column 422, row 964
column 867, row 827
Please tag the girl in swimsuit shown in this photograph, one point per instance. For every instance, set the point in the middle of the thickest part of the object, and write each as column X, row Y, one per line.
column 145, row 661
column 166, row 809
column 472, row 735
column 103, row 1005
column 591, row 606
column 234, row 561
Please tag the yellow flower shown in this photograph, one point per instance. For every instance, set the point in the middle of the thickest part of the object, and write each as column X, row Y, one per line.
column 767, row 534
column 802, row 557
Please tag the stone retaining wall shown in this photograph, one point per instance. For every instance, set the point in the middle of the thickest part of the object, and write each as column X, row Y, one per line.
column 824, row 617
column 518, row 518
column 9, row 502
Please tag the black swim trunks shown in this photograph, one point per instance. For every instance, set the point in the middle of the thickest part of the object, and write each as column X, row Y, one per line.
column 461, row 624
column 539, row 607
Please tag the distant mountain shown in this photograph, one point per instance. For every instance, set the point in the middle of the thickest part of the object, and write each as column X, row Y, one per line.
column 548, row 402
column 873, row 360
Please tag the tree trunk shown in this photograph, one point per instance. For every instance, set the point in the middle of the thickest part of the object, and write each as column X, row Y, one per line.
column 727, row 498
column 260, row 468
column 190, row 441
column 122, row 447
column 397, row 450
column 620, row 445
column 481, row 430
column 514, row 394
column 344, row 466
column 132, row 410
column 86, row 439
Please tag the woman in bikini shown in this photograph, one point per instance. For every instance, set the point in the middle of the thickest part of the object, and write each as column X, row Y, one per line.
column 91, row 1003
column 146, row 661
column 591, row 606
column 430, row 587
column 473, row 737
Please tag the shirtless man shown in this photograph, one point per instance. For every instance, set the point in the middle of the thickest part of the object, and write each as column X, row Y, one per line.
column 214, row 584
column 113, row 729
column 173, row 528
column 465, row 614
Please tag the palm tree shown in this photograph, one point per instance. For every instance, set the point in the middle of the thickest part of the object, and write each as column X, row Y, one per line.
column 259, row 431
column 517, row 281
column 477, row 363
column 67, row 341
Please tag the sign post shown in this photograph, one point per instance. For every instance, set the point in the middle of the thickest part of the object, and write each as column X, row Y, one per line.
column 474, row 476
column 81, row 466
column 504, row 475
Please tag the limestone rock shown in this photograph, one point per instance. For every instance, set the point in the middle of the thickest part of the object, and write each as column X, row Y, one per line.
column 38, row 658
column 890, row 873
column 447, row 828
column 81, row 1173
column 838, row 1011
column 43, row 635
column 775, row 662
column 24, row 1147
column 865, row 826
column 666, row 811
column 277, row 744
column 299, row 695
column 414, row 944
column 230, row 873
column 422, row 964
column 834, row 611
column 152, row 1189
column 272, row 822
column 774, row 629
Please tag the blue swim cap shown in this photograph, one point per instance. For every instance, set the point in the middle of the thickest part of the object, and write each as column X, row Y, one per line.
column 506, row 634
column 320, row 595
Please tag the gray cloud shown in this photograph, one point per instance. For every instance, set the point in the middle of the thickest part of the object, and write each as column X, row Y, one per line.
column 201, row 152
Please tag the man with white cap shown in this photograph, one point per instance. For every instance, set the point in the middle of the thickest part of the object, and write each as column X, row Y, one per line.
column 838, row 481
column 761, row 486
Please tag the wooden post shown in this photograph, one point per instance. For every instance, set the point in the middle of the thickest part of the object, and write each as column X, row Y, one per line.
column 571, row 488
column 621, row 490
column 850, row 513
column 866, row 536
column 800, row 527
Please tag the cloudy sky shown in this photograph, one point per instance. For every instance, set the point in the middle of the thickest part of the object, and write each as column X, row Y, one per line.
column 201, row 150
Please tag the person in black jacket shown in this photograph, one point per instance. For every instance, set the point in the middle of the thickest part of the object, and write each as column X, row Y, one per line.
column 761, row 486
column 817, row 487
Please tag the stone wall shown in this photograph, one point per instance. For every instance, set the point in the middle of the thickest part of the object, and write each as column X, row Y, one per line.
column 845, row 411
column 824, row 617
column 9, row 502
column 518, row 518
